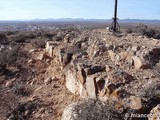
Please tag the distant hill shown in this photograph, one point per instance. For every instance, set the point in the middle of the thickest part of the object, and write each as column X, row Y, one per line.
column 140, row 21
column 96, row 20
column 68, row 20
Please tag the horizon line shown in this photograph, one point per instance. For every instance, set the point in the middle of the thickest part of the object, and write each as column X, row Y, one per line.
column 52, row 19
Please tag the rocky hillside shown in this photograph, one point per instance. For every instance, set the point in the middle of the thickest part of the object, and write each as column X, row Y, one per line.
column 75, row 74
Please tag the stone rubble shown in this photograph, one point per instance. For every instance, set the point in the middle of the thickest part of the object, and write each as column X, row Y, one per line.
column 97, row 68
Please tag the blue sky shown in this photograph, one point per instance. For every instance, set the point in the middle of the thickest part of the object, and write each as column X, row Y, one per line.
column 98, row 9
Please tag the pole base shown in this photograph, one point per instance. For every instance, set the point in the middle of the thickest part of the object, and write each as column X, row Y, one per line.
column 112, row 28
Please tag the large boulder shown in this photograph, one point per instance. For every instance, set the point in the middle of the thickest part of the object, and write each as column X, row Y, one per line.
column 72, row 83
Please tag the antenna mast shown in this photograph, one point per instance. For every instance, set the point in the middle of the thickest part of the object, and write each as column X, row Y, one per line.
column 115, row 26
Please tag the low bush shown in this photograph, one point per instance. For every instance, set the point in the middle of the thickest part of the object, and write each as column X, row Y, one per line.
column 22, row 111
column 7, row 102
column 129, row 30
column 147, row 31
column 9, row 56
column 39, row 43
column 92, row 110
column 23, row 37
column 21, row 89
column 12, row 109
column 12, row 55
column 3, row 39
column 49, row 35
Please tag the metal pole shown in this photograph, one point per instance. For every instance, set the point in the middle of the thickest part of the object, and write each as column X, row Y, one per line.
column 115, row 16
column 114, row 25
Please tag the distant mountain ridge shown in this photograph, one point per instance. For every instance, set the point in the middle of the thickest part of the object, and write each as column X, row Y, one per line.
column 83, row 20
column 97, row 20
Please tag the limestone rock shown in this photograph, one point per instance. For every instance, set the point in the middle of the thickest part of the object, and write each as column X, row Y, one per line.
column 50, row 45
column 81, row 74
column 126, row 55
column 112, row 55
column 10, row 83
column 135, row 48
column 39, row 88
column 31, row 61
column 135, row 103
column 33, row 50
column 107, row 91
column 71, row 82
column 95, row 69
column 64, row 57
column 137, row 62
column 47, row 46
column 43, row 57
column 123, row 55
column 91, row 86
column 68, row 37
column 48, row 81
column 91, row 51
column 119, row 77
column 50, row 51
column 118, row 94
column 154, row 113
column 96, row 49
column 108, row 68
